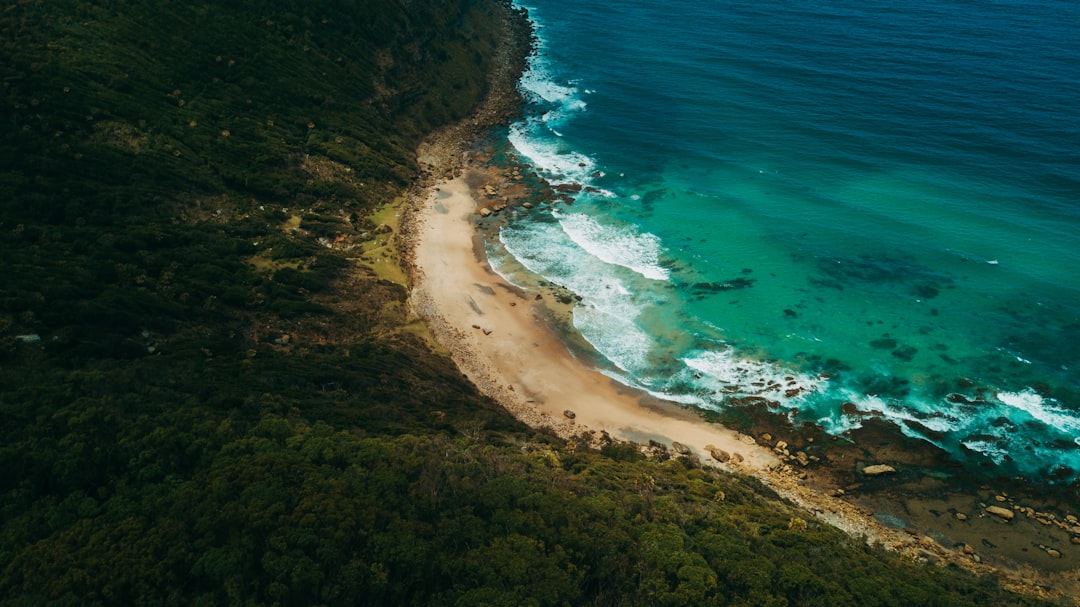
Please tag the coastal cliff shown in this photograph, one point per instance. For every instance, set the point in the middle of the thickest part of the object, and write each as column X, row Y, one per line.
column 212, row 390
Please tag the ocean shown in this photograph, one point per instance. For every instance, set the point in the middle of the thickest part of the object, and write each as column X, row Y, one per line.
column 844, row 209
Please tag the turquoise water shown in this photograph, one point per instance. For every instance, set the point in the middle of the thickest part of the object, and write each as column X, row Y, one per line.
column 820, row 204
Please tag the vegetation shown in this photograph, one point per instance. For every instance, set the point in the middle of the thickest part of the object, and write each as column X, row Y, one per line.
column 201, row 403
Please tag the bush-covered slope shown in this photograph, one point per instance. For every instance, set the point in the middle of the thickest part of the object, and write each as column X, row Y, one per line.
column 203, row 404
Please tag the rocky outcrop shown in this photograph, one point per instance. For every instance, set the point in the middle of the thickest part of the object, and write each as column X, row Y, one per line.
column 878, row 470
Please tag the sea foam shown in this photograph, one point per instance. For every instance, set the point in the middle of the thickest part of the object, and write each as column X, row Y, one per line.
column 620, row 246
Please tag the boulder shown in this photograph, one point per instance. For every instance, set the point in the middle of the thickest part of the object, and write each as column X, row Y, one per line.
column 878, row 470
column 718, row 454
column 1003, row 513
column 680, row 448
column 569, row 414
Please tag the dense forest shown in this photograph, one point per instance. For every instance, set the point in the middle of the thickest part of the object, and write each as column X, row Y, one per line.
column 209, row 395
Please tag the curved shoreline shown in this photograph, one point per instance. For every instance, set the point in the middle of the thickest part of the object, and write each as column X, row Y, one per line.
column 498, row 335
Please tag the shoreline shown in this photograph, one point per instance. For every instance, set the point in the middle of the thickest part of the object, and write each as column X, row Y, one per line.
column 501, row 337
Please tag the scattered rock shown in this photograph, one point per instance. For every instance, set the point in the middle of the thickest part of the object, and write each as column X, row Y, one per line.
column 569, row 414
column 718, row 454
column 1003, row 513
column 1051, row 551
column 879, row 469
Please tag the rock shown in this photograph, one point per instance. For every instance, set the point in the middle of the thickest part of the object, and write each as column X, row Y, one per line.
column 680, row 448
column 737, row 457
column 968, row 549
column 718, row 454
column 766, row 437
column 1054, row 553
column 960, row 516
column 803, row 459
column 485, row 212
column 998, row 511
column 879, row 469
column 487, row 331
column 781, row 445
column 569, row 414
column 1075, row 539
column 1000, row 498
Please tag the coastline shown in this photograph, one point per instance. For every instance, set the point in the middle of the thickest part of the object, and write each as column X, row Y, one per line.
column 500, row 337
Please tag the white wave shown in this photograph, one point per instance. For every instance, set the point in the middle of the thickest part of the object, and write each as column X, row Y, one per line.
column 838, row 424
column 639, row 252
column 615, row 335
column 557, row 161
column 607, row 316
column 903, row 411
column 1041, row 409
column 990, row 449
column 732, row 374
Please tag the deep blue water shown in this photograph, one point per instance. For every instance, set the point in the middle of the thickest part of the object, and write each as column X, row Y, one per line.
column 821, row 203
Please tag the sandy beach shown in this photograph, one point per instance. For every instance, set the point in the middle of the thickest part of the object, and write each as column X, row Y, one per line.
column 497, row 336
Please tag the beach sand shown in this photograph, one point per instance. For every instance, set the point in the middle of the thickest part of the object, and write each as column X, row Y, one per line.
column 497, row 335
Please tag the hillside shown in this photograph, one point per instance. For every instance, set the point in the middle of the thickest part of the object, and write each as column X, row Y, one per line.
column 211, row 390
